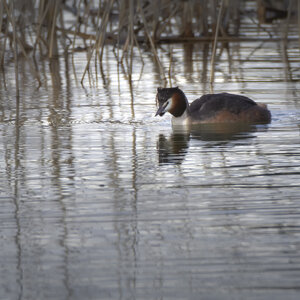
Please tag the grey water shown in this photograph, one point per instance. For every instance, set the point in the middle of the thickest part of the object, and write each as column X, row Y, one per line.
column 102, row 200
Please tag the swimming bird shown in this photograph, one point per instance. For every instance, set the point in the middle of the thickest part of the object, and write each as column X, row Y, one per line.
column 210, row 108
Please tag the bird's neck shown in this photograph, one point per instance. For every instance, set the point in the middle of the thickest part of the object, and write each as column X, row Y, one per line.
column 180, row 105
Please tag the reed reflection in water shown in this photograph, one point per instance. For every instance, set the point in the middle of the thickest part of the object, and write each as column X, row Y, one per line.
column 100, row 200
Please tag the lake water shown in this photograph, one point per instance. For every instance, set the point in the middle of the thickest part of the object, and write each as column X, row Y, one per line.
column 102, row 200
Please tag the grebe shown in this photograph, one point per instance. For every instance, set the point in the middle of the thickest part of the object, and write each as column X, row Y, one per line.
column 210, row 108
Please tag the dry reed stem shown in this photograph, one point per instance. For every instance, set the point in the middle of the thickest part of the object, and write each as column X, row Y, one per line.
column 170, row 66
column 284, row 44
column 5, row 35
column 16, row 42
column 299, row 22
column 131, row 33
column 74, row 40
column 1, row 15
column 151, row 40
column 286, row 29
column 10, row 11
column 139, row 49
column 212, row 62
column 97, row 51
column 123, row 22
column 53, row 30
column 99, row 38
column 15, row 52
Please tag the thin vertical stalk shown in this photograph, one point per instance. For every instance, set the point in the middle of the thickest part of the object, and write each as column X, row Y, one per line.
column 104, row 23
column 1, row 15
column 17, row 41
column 131, row 33
column 15, row 53
column 99, row 39
column 96, row 56
column 139, row 49
column 212, row 62
column 170, row 66
column 74, row 40
column 299, row 22
column 286, row 29
column 151, row 41
column 10, row 12
column 43, row 10
column 4, row 47
column 5, row 35
column 53, row 30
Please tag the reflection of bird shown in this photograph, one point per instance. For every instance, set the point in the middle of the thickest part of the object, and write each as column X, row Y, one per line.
column 210, row 108
column 172, row 150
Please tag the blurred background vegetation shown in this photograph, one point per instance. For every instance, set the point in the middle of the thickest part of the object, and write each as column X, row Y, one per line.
column 41, row 29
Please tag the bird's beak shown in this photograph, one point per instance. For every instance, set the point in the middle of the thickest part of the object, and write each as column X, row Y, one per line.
column 161, row 111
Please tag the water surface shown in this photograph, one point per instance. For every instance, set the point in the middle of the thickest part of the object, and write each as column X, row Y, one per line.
column 100, row 200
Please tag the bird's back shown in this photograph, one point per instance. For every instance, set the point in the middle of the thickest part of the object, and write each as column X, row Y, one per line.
column 210, row 105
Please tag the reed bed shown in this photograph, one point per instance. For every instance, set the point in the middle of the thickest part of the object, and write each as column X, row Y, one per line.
column 41, row 29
